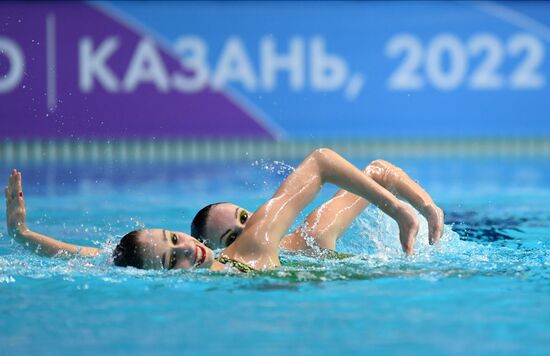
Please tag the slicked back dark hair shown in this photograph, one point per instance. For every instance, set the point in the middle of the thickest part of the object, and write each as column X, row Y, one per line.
column 127, row 252
column 198, row 225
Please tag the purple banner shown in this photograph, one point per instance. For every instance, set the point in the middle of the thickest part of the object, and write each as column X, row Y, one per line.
column 69, row 70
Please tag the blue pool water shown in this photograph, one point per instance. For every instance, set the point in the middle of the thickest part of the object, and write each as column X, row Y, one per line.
column 485, row 288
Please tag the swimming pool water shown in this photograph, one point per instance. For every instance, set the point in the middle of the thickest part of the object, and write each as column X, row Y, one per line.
column 485, row 288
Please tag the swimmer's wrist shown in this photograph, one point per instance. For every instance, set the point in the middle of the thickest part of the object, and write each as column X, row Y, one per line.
column 21, row 229
column 428, row 209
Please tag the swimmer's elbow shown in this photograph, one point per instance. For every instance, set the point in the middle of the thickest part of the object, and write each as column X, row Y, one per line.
column 323, row 158
column 322, row 152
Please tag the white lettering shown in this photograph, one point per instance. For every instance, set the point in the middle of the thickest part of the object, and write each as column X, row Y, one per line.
column 328, row 72
column 442, row 79
column 406, row 76
column 146, row 66
column 446, row 59
column 486, row 75
column 93, row 64
column 293, row 62
column 527, row 74
column 13, row 52
column 193, row 53
column 234, row 65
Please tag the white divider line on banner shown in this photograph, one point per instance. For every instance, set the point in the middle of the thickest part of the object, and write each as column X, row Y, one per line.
column 51, row 62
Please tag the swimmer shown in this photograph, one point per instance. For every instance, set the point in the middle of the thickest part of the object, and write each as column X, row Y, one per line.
column 257, row 247
column 219, row 225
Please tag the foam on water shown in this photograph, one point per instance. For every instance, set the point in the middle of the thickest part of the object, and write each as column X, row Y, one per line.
column 373, row 240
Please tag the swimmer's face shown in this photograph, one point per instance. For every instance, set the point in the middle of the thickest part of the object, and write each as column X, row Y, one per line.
column 224, row 224
column 172, row 250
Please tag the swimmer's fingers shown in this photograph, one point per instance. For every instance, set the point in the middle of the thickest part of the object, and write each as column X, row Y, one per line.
column 16, row 214
column 15, row 185
column 12, row 184
column 408, row 229
column 440, row 225
column 14, row 192
column 18, row 184
column 10, row 181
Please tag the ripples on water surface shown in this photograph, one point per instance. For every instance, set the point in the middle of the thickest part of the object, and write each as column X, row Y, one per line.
column 484, row 288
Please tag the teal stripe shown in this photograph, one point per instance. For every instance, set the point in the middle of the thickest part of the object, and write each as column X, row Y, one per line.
column 223, row 150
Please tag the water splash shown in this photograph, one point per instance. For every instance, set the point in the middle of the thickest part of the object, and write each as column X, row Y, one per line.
column 373, row 240
column 279, row 168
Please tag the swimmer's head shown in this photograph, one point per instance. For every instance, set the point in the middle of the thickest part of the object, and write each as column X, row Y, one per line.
column 161, row 249
column 127, row 252
column 218, row 225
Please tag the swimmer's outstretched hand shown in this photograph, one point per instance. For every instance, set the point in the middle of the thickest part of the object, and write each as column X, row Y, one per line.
column 435, row 217
column 408, row 228
column 16, row 216
column 16, row 219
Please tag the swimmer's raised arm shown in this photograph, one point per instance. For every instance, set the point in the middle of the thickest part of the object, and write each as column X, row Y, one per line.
column 324, row 225
column 398, row 182
column 260, row 238
column 329, row 221
column 16, row 220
